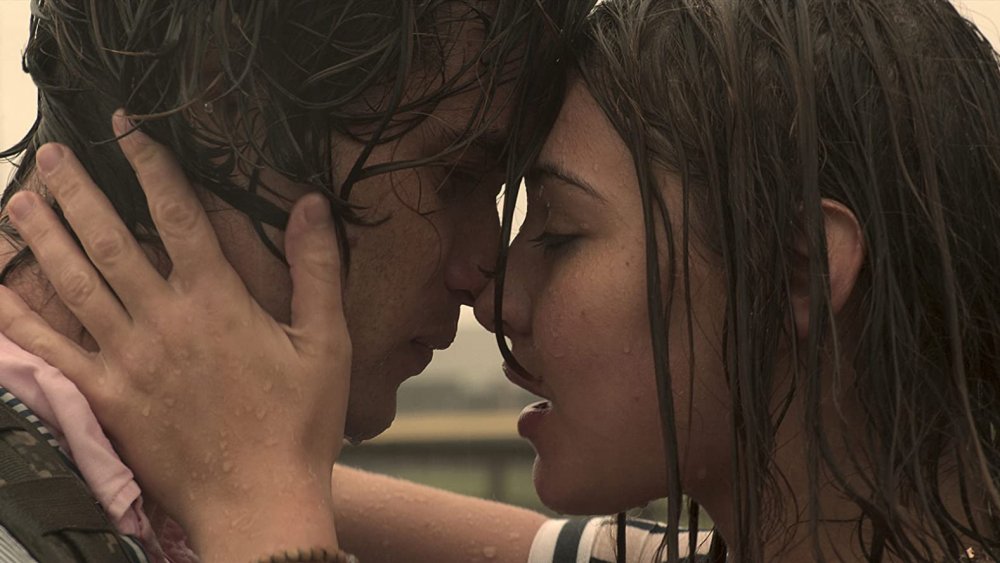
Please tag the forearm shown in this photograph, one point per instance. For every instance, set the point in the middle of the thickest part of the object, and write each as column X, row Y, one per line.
column 381, row 518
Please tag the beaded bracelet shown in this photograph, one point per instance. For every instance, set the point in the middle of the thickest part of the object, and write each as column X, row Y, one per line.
column 313, row 555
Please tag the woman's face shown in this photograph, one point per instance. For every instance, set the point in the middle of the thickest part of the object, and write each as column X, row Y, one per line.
column 575, row 308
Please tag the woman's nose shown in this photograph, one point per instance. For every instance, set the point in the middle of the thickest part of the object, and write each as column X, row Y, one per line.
column 515, row 306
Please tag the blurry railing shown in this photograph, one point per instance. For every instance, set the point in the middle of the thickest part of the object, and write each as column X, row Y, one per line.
column 475, row 453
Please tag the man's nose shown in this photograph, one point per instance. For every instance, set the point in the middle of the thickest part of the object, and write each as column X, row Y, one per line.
column 473, row 256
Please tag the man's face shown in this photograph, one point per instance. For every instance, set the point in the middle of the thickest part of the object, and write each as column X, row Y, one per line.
column 435, row 236
column 410, row 275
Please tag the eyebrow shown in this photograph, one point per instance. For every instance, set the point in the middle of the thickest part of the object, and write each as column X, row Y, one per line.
column 566, row 176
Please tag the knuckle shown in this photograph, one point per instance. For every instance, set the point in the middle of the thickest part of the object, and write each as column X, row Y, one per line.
column 144, row 154
column 36, row 232
column 177, row 217
column 322, row 266
column 108, row 246
column 31, row 229
column 66, row 185
column 10, row 319
column 76, row 287
column 42, row 346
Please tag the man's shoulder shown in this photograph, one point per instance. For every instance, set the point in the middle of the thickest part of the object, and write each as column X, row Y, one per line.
column 47, row 513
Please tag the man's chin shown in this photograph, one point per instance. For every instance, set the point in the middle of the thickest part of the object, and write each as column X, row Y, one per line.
column 369, row 423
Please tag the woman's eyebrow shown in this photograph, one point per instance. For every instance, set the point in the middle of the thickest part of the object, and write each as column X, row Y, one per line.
column 555, row 171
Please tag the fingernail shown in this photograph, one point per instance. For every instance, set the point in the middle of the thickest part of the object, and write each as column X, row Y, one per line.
column 48, row 158
column 21, row 206
column 317, row 211
column 119, row 123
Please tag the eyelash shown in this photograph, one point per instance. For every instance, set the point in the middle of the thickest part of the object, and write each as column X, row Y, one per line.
column 552, row 242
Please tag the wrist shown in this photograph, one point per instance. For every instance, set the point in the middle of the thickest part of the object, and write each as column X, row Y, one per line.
column 266, row 520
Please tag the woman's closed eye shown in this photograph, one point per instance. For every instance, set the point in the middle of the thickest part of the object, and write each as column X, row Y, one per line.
column 552, row 242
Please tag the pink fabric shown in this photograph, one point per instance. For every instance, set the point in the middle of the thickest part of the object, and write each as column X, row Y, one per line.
column 66, row 413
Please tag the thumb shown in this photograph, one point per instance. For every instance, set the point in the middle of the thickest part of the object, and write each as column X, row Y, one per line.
column 314, row 262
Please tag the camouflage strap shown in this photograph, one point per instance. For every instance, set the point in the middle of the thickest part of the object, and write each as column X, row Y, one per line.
column 45, row 505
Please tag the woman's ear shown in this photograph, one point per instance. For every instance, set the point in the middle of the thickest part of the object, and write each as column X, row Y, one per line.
column 845, row 254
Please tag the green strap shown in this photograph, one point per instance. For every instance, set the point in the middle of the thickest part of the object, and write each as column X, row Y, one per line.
column 45, row 505
column 55, row 503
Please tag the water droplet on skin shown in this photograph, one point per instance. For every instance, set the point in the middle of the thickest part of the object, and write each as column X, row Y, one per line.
column 145, row 410
column 489, row 552
column 627, row 349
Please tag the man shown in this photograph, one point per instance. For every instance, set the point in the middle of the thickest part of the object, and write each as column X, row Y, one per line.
column 399, row 112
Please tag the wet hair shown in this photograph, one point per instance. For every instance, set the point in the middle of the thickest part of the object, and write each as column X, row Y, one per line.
column 233, row 88
column 762, row 108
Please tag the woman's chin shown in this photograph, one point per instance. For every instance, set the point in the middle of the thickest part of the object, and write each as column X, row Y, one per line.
column 573, row 493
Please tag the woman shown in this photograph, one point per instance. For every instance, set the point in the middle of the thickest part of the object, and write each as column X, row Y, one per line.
column 796, row 200
column 758, row 268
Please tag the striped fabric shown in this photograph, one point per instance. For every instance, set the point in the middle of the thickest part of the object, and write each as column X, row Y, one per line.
column 592, row 540
column 11, row 550
column 13, row 402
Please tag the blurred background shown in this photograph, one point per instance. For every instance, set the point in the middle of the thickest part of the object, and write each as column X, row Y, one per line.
column 456, row 425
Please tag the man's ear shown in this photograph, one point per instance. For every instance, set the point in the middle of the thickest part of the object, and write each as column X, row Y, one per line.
column 845, row 255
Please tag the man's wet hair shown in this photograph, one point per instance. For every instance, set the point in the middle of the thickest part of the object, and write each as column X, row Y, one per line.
column 235, row 87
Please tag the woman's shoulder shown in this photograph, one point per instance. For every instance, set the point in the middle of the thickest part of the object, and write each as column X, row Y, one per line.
column 594, row 540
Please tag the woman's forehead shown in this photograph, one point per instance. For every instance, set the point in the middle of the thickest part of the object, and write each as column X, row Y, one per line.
column 584, row 146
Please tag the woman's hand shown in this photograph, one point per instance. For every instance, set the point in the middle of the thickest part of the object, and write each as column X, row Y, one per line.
column 231, row 421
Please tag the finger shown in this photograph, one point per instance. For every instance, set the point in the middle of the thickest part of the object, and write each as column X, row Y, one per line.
column 180, row 218
column 68, row 270
column 108, row 243
column 29, row 331
column 314, row 261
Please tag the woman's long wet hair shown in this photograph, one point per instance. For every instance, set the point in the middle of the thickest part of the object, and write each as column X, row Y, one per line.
column 233, row 87
column 763, row 108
